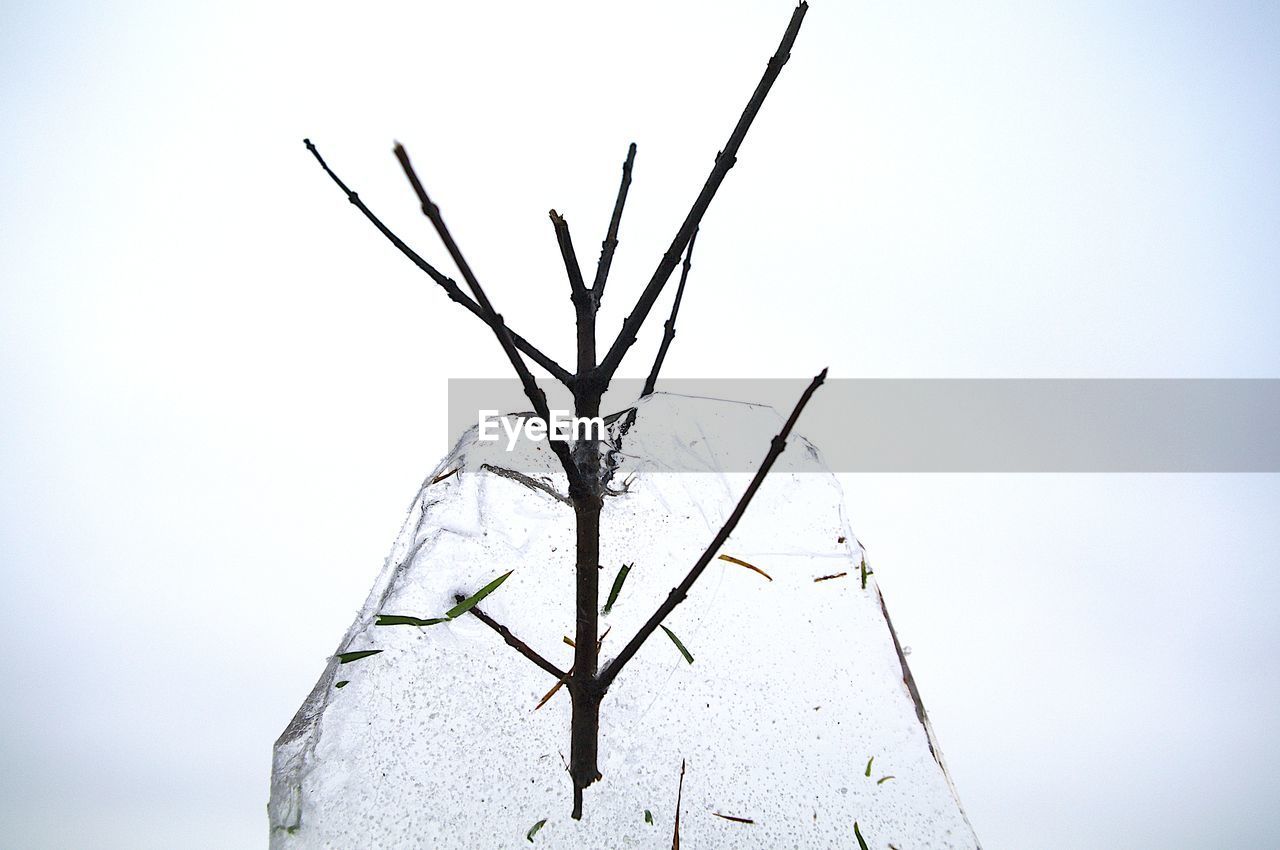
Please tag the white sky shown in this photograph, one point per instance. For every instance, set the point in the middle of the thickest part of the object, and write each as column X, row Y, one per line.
column 222, row 387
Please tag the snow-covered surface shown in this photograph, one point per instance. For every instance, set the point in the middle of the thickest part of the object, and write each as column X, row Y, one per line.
column 435, row 742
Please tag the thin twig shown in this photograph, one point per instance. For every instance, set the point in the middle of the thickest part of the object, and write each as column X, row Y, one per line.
column 675, row 837
column 568, row 254
column 515, row 642
column 585, row 304
column 724, row 161
column 531, row 388
column 610, row 243
column 450, row 287
column 669, row 329
column 680, row 591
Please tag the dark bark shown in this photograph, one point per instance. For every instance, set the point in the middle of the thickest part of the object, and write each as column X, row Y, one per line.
column 585, row 303
column 724, row 161
column 669, row 329
column 515, row 642
column 588, row 499
column 450, row 287
column 531, row 388
column 610, row 243
column 570, row 257
column 585, row 730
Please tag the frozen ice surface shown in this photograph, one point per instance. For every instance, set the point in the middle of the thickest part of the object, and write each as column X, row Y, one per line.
column 435, row 743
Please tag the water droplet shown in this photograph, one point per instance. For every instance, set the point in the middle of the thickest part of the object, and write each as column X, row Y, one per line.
column 906, row 650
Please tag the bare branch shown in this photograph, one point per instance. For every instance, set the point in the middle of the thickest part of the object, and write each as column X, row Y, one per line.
column 531, row 388
column 610, row 243
column 724, row 161
column 669, row 329
column 585, row 303
column 680, row 591
column 570, row 257
column 450, row 287
column 515, row 642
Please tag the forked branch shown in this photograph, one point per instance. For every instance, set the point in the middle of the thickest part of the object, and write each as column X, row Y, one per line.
column 680, row 591
column 450, row 287
column 531, row 388
column 724, row 161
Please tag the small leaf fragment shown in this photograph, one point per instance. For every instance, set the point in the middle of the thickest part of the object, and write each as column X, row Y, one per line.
column 348, row 657
column 451, row 472
column 549, row 694
column 648, row 817
column 474, row 599
column 406, row 620
column 679, row 645
column 560, row 684
column 617, row 586
column 868, row 773
column 743, row 563
column 882, row 780
column 865, row 572
column 533, row 830
column 862, row 843
column 732, row 818
column 675, row 837
column 343, row 683
column 829, row 578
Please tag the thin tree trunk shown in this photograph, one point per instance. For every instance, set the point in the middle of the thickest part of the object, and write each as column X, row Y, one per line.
column 588, row 499
column 583, row 687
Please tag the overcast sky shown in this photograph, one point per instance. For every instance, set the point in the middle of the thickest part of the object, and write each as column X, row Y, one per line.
column 221, row 387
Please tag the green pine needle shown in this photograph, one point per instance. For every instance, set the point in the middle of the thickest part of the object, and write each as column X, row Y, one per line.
column 348, row 657
column 474, row 599
column 679, row 645
column 405, row 620
column 617, row 586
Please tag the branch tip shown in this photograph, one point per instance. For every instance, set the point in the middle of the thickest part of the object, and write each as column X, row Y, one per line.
column 725, row 160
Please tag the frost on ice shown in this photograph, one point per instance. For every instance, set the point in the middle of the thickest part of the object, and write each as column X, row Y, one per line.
column 798, row 689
